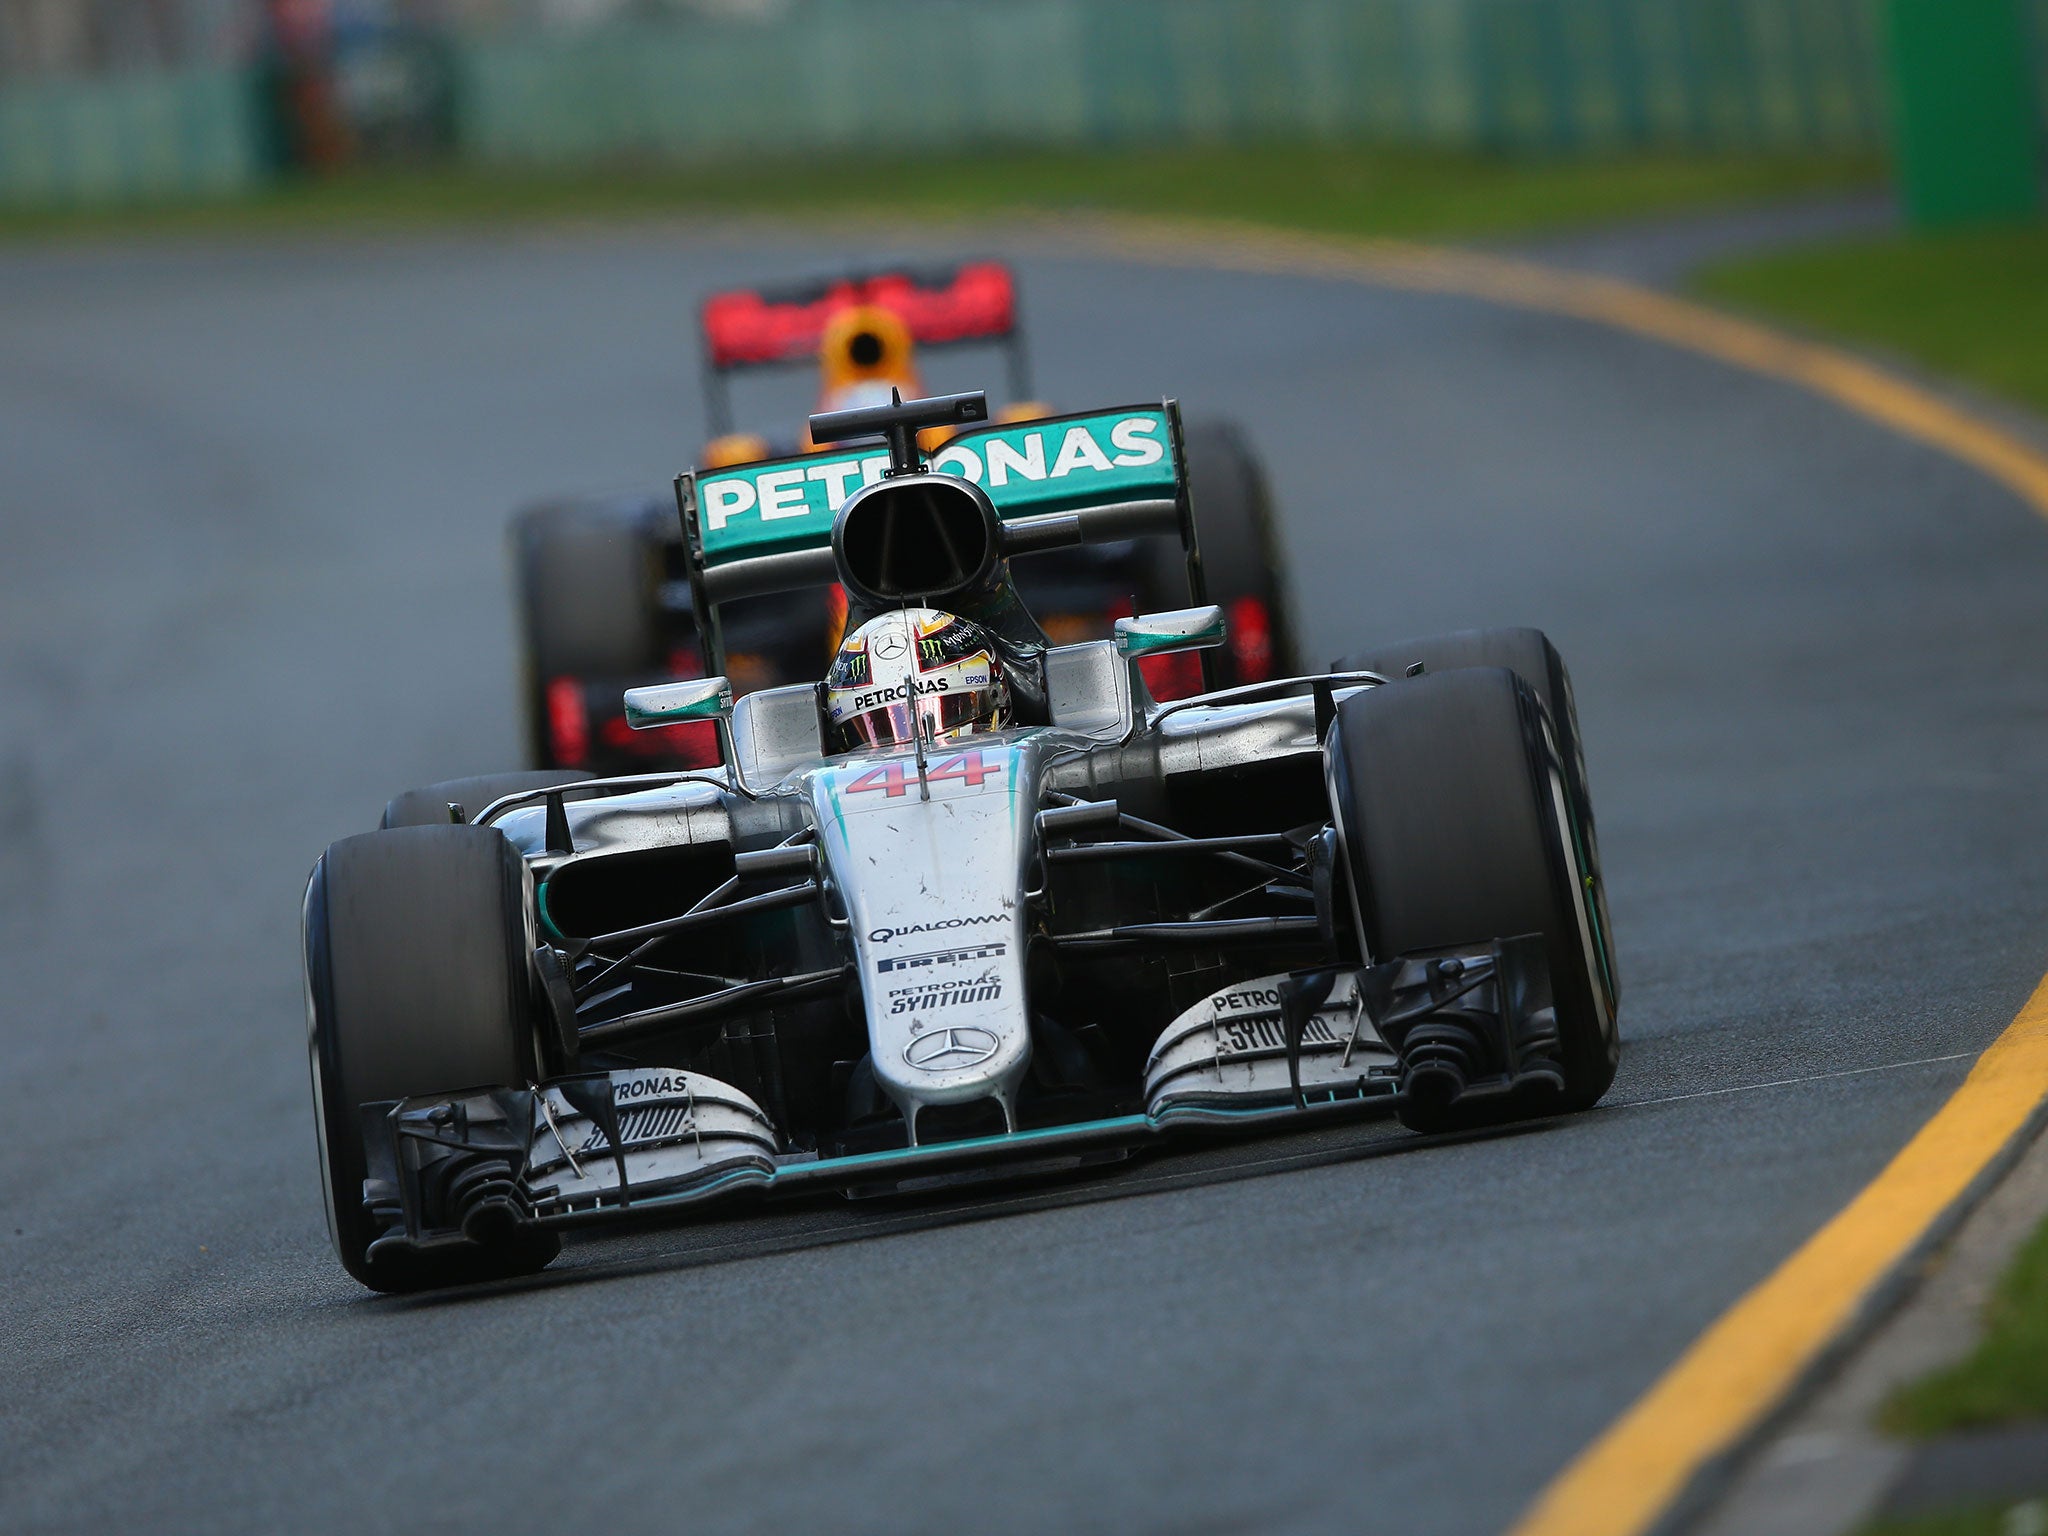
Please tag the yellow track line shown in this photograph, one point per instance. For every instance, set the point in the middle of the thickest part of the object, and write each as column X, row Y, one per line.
column 1756, row 1352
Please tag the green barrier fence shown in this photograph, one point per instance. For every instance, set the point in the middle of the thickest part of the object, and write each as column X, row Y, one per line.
column 128, row 139
column 903, row 74
column 1966, row 133
column 897, row 75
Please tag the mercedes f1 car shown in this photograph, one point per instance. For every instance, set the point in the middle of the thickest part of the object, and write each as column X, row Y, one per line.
column 896, row 940
column 604, row 602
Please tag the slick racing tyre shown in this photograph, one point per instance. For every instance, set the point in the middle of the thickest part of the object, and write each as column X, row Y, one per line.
column 589, row 602
column 431, row 807
column 418, row 981
column 1457, row 825
column 1528, row 654
column 1240, row 554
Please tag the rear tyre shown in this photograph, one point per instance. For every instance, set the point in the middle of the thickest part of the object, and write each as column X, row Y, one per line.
column 1528, row 654
column 429, row 807
column 589, row 603
column 417, row 946
column 1456, row 818
column 1240, row 553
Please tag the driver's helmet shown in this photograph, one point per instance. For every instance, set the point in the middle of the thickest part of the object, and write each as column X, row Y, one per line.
column 917, row 663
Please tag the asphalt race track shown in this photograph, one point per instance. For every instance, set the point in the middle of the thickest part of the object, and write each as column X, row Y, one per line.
column 252, row 583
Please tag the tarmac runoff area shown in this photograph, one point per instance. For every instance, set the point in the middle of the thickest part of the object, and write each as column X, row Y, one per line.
column 253, row 499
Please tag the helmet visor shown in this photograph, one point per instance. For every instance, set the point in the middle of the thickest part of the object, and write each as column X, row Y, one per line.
column 941, row 715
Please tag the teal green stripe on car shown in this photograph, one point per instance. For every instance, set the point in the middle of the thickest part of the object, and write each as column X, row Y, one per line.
column 547, row 923
column 1026, row 467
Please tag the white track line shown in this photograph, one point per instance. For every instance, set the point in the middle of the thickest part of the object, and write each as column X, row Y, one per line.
column 1790, row 1082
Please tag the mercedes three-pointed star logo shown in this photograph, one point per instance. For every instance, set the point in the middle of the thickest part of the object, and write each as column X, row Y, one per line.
column 948, row 1050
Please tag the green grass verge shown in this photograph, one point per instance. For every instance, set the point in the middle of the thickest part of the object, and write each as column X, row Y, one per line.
column 1379, row 190
column 1978, row 1520
column 2006, row 1377
column 1972, row 304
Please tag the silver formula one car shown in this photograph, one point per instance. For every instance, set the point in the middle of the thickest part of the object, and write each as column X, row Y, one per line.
column 974, row 903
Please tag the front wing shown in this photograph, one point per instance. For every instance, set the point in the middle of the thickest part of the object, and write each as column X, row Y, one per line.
column 1308, row 1046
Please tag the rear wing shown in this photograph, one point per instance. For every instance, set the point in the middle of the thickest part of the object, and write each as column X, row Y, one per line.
column 1088, row 478
column 973, row 302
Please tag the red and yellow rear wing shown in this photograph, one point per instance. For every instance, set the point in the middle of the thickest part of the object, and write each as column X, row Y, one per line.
column 975, row 301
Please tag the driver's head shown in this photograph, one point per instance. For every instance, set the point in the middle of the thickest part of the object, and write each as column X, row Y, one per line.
column 918, row 664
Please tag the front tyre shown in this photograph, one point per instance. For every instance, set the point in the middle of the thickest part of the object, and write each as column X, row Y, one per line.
column 1528, row 654
column 1457, row 821
column 417, row 946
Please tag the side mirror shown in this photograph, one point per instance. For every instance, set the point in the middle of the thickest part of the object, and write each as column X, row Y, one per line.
column 1182, row 629
column 698, row 698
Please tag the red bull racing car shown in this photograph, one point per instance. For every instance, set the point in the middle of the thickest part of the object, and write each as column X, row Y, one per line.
column 604, row 602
